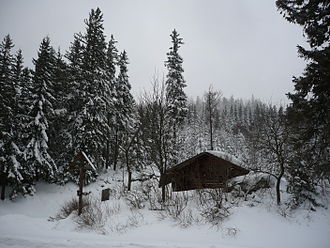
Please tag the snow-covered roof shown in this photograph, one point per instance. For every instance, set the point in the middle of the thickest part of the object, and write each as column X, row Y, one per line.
column 226, row 156
column 222, row 155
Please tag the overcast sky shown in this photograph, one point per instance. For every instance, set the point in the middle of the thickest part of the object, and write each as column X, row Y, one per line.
column 242, row 47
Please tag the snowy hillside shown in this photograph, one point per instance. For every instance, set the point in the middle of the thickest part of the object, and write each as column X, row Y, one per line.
column 25, row 222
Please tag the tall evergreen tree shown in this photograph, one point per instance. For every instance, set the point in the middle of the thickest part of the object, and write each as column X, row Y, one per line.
column 75, row 100
column 74, row 77
column 125, row 101
column 18, row 70
column 59, row 138
column 176, row 99
column 111, row 62
column 309, row 112
column 175, row 83
column 123, row 105
column 22, row 79
column 37, row 151
column 10, row 166
column 91, row 121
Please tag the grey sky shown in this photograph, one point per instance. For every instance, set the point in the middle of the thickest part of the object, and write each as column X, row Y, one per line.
column 242, row 47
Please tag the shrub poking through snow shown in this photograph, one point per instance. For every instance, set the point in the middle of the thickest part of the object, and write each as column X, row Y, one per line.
column 212, row 206
column 69, row 207
column 179, row 209
column 177, row 205
column 136, row 199
column 94, row 216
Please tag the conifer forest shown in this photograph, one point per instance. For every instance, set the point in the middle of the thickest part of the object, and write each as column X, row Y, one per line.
column 80, row 100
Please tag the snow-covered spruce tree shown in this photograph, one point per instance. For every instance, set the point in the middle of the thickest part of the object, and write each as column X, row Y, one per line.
column 74, row 76
column 73, row 105
column 123, row 106
column 75, row 100
column 10, row 167
column 22, row 80
column 59, row 138
column 91, row 119
column 111, row 62
column 176, row 99
column 309, row 112
column 42, row 99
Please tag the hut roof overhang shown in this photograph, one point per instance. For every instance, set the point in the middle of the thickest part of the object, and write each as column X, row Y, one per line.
column 220, row 158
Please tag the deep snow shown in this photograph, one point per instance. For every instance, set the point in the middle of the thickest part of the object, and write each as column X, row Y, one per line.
column 24, row 223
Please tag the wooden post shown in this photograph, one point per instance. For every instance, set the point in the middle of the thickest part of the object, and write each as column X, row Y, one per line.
column 129, row 181
column 82, row 163
column 81, row 186
column 163, row 194
column 3, row 180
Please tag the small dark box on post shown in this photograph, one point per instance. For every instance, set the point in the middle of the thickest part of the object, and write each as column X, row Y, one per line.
column 105, row 194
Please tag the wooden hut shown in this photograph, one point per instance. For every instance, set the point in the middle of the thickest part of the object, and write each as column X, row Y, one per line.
column 208, row 169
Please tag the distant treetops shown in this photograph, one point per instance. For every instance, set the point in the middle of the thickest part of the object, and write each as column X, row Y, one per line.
column 80, row 101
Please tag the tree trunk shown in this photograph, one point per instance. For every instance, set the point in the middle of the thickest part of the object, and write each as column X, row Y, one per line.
column 129, row 182
column 278, row 193
column 107, row 153
column 278, row 183
column 81, row 188
column 210, row 121
column 107, row 160
column 3, row 180
column 116, row 152
column 163, row 194
column 211, row 134
column 175, row 160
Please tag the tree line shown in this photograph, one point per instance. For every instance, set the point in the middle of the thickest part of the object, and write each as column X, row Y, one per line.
column 81, row 101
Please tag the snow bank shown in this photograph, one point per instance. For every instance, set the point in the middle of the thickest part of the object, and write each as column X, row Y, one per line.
column 24, row 224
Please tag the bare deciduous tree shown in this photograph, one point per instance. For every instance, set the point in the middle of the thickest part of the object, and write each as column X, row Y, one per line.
column 274, row 146
column 155, row 127
column 212, row 98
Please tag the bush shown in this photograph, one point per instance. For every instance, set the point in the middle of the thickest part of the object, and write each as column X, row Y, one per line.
column 93, row 216
column 177, row 209
column 71, row 206
column 212, row 206
column 151, row 192
column 177, row 205
column 136, row 199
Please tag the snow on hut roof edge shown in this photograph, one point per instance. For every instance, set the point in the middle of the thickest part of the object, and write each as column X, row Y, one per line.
column 222, row 155
column 226, row 156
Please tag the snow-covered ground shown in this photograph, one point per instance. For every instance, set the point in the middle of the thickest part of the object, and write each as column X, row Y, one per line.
column 24, row 223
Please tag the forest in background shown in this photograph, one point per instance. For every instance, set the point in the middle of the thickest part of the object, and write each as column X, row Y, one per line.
column 81, row 101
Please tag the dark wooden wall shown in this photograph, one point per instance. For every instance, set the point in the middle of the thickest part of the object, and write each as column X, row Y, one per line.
column 205, row 172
